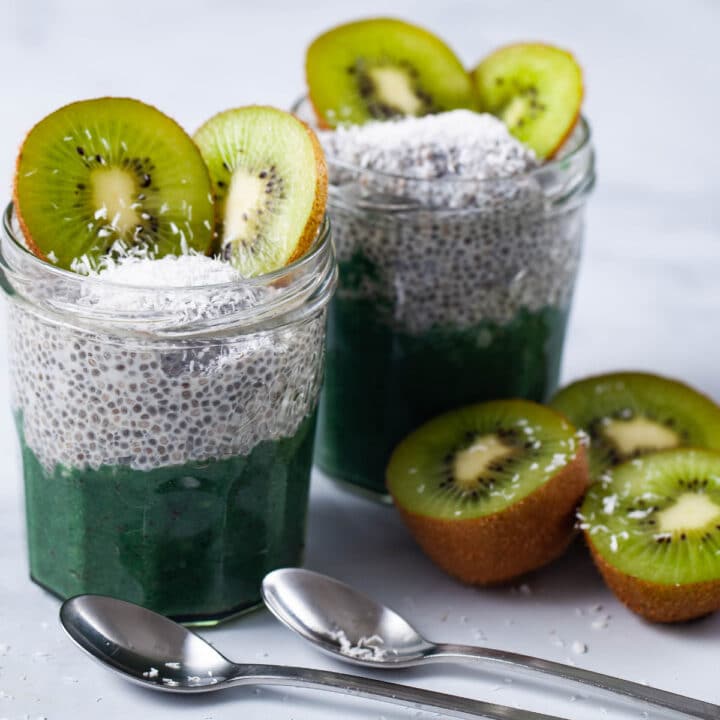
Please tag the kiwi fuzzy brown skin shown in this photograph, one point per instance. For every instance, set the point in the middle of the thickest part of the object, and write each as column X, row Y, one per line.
column 658, row 602
column 319, row 204
column 31, row 245
column 562, row 140
column 498, row 548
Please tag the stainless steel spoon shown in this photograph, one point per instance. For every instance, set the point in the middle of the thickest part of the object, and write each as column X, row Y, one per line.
column 156, row 652
column 351, row 626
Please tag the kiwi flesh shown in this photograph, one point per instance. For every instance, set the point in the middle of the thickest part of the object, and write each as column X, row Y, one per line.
column 653, row 528
column 107, row 176
column 489, row 491
column 270, row 185
column 536, row 89
column 383, row 68
column 630, row 414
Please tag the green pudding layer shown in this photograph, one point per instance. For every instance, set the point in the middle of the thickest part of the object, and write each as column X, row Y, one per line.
column 380, row 384
column 191, row 541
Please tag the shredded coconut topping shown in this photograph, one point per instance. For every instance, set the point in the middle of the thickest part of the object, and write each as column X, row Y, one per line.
column 190, row 270
column 136, row 285
column 460, row 143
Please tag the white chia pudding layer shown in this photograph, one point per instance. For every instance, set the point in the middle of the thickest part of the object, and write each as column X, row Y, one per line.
column 446, row 221
column 90, row 397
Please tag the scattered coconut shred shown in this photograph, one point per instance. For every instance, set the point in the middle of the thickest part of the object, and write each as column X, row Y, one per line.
column 460, row 143
column 366, row 648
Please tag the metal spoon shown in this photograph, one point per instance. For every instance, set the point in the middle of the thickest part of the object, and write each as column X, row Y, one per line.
column 158, row 653
column 343, row 622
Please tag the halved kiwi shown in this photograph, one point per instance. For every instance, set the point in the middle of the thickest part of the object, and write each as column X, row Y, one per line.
column 535, row 89
column 382, row 68
column 489, row 491
column 108, row 175
column 653, row 527
column 270, row 183
column 631, row 414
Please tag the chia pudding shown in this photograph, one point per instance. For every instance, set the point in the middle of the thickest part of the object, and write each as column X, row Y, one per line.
column 166, row 412
column 458, row 251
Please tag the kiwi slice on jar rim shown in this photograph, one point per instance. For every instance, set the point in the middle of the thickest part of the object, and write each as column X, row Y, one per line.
column 111, row 175
column 630, row 414
column 535, row 89
column 270, row 184
column 653, row 527
column 489, row 491
column 383, row 68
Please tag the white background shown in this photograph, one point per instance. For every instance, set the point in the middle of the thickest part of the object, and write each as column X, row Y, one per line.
column 647, row 298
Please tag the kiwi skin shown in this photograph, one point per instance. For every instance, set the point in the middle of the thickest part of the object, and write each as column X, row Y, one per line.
column 317, row 213
column 657, row 602
column 495, row 549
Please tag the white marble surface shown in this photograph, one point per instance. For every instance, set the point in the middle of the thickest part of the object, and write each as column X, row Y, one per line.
column 647, row 298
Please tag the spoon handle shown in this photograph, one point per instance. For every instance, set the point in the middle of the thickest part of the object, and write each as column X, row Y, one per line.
column 450, row 705
column 636, row 691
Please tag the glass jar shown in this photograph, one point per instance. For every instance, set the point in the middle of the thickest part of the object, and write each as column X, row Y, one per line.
column 451, row 291
column 166, row 432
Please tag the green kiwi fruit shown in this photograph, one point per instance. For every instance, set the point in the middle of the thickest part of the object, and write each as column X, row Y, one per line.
column 489, row 491
column 383, row 68
column 653, row 527
column 630, row 414
column 111, row 175
column 536, row 89
column 270, row 183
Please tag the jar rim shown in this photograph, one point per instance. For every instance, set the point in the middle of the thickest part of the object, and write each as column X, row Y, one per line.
column 577, row 144
column 10, row 232
column 241, row 306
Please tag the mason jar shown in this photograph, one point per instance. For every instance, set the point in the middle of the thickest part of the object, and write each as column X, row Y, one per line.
column 451, row 291
column 166, row 432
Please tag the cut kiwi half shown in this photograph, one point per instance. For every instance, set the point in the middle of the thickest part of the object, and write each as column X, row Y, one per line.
column 111, row 175
column 535, row 89
column 630, row 414
column 489, row 491
column 270, row 184
column 383, row 68
column 653, row 527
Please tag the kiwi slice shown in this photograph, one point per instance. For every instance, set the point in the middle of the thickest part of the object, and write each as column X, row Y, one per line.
column 535, row 89
column 627, row 415
column 270, row 183
column 489, row 491
column 653, row 527
column 109, row 176
column 383, row 68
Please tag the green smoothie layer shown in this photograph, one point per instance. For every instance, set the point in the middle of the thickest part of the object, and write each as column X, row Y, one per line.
column 380, row 383
column 190, row 541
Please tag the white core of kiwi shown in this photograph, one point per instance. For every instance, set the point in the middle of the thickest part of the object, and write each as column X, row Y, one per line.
column 113, row 193
column 691, row 511
column 472, row 462
column 639, row 434
column 394, row 89
column 244, row 198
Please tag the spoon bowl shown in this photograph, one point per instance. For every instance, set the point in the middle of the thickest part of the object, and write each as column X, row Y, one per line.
column 145, row 647
column 340, row 620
